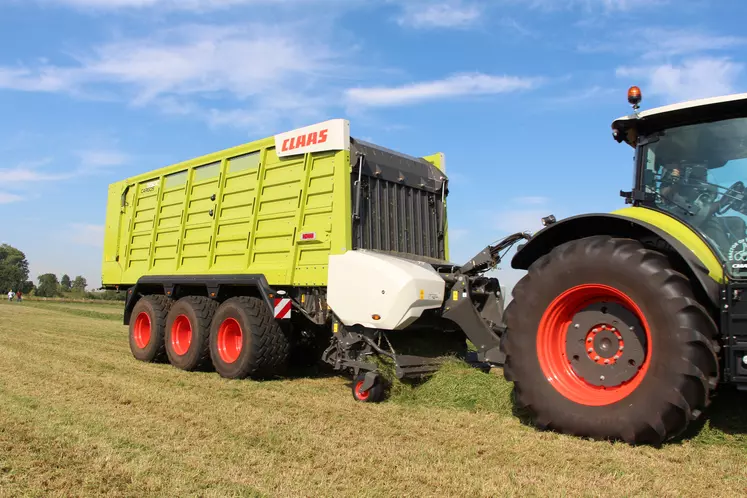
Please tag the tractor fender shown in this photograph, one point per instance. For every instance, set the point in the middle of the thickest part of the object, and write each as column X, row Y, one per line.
column 587, row 225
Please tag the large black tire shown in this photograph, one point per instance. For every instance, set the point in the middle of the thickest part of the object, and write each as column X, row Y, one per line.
column 668, row 389
column 247, row 341
column 147, row 328
column 188, row 332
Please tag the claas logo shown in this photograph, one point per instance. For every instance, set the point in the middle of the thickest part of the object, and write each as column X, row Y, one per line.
column 304, row 140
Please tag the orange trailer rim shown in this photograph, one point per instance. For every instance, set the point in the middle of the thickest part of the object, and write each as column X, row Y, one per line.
column 141, row 330
column 230, row 340
column 181, row 335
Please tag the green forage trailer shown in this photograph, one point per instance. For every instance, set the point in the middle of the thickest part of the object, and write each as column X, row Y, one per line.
column 307, row 245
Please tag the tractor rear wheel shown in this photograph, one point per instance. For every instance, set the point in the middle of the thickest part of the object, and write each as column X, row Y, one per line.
column 188, row 332
column 147, row 327
column 606, row 340
column 247, row 341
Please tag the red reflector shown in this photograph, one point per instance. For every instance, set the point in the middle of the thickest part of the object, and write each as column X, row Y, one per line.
column 308, row 236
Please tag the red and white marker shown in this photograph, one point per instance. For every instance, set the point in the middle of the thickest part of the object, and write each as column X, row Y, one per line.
column 282, row 308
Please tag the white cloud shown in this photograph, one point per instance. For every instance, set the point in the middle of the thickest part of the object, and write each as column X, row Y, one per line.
column 514, row 25
column 7, row 198
column 101, row 158
column 22, row 175
column 43, row 78
column 654, row 43
column 589, row 5
column 444, row 14
column 267, row 112
column 184, row 5
column 268, row 69
column 207, row 60
column 86, row 234
column 457, row 85
column 692, row 79
column 118, row 4
column 29, row 173
column 658, row 42
column 579, row 96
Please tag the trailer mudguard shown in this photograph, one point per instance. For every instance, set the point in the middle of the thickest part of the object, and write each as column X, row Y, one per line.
column 696, row 259
column 168, row 285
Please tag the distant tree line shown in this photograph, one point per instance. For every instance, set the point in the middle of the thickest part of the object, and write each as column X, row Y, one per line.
column 14, row 275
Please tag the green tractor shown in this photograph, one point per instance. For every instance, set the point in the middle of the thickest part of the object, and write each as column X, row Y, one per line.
column 626, row 323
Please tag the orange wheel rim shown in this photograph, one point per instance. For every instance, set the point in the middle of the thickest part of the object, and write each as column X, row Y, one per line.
column 141, row 330
column 230, row 340
column 359, row 393
column 584, row 358
column 181, row 335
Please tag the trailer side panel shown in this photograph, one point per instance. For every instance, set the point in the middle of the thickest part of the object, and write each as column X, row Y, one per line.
column 243, row 211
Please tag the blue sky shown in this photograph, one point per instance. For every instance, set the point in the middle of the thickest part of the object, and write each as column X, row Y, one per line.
column 519, row 95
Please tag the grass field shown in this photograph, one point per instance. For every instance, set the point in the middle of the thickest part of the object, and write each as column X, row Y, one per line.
column 79, row 416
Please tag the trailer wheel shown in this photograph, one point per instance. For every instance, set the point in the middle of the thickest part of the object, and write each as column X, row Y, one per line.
column 372, row 395
column 147, row 328
column 606, row 340
column 188, row 332
column 247, row 341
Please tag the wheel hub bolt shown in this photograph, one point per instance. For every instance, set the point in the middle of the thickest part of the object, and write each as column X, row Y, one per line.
column 606, row 362
column 596, row 358
column 590, row 350
column 617, row 357
column 601, row 377
column 622, row 347
column 576, row 326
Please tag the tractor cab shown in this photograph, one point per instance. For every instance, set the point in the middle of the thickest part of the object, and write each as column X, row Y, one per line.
column 691, row 163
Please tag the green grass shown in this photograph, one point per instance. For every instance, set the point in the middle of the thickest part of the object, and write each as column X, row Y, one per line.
column 79, row 416
column 74, row 299
column 456, row 385
column 99, row 311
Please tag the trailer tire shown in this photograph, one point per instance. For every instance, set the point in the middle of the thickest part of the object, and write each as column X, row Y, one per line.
column 188, row 332
column 247, row 341
column 147, row 328
column 667, row 368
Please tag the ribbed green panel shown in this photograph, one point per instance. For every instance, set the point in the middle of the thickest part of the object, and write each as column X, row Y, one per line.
column 243, row 210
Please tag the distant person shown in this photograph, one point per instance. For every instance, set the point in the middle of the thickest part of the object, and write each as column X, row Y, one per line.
column 19, row 296
column 10, row 296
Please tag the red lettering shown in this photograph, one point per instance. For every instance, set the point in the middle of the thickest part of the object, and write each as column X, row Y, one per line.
column 312, row 138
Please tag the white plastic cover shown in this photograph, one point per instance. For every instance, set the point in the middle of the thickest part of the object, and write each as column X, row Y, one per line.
column 363, row 285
